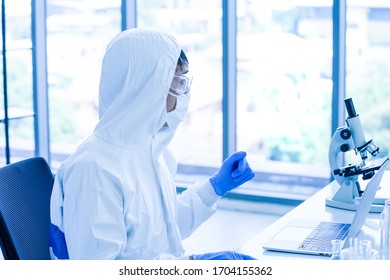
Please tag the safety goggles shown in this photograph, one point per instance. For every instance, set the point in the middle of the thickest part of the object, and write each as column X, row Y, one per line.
column 181, row 84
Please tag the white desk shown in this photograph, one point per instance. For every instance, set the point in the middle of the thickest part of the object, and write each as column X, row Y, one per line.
column 314, row 208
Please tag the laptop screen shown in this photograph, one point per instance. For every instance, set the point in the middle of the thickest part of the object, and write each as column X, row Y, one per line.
column 366, row 201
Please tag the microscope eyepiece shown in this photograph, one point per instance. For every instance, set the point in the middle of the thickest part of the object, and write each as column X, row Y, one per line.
column 350, row 108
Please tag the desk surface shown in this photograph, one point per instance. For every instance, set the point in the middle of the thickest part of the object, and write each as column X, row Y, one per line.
column 314, row 208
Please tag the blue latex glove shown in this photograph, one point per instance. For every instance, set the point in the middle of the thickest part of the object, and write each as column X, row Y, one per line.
column 224, row 255
column 234, row 171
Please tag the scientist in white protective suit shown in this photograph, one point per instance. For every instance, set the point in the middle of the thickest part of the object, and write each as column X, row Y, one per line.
column 115, row 197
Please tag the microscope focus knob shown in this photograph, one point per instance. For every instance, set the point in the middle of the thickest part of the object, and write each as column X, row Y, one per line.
column 345, row 134
column 337, row 172
column 368, row 175
column 344, row 148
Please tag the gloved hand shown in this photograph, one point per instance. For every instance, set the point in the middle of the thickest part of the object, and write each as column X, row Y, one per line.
column 224, row 255
column 234, row 171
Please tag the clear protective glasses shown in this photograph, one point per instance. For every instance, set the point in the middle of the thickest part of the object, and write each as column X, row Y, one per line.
column 181, row 84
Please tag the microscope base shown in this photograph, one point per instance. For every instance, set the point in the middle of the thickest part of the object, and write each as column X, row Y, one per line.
column 376, row 207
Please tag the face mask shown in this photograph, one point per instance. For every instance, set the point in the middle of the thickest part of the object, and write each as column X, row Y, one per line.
column 178, row 114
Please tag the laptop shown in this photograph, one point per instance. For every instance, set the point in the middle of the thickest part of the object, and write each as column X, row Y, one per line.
column 314, row 237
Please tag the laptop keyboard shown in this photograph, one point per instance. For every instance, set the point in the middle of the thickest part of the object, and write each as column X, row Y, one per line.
column 319, row 240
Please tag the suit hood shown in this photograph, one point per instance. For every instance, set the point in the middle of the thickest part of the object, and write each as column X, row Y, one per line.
column 137, row 71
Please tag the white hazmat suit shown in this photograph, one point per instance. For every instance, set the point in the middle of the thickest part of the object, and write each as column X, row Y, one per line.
column 115, row 197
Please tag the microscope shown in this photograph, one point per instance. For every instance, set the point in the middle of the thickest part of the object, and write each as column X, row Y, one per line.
column 348, row 138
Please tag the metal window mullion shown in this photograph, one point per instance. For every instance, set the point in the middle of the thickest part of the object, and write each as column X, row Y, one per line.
column 129, row 14
column 229, row 114
column 5, row 87
column 40, row 88
column 339, row 63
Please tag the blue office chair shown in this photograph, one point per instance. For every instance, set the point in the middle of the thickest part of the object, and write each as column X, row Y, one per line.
column 25, row 190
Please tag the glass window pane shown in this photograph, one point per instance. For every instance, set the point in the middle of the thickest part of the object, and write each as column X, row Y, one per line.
column 78, row 33
column 20, row 104
column 19, row 82
column 284, row 85
column 18, row 24
column 197, row 26
column 21, row 135
column 368, row 67
column 19, row 79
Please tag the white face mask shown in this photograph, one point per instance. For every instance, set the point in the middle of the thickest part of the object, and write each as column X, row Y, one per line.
column 178, row 114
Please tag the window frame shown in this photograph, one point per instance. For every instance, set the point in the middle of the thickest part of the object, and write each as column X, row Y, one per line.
column 229, row 33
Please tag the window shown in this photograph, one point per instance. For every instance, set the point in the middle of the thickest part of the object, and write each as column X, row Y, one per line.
column 284, row 58
column 284, row 77
column 284, row 89
column 197, row 26
column 368, row 68
column 77, row 35
column 17, row 132
column 284, row 55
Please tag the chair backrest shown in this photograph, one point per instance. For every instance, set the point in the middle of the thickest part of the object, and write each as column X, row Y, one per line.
column 25, row 190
